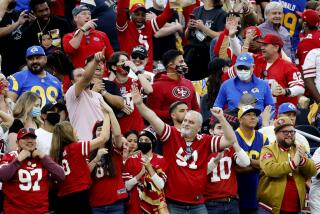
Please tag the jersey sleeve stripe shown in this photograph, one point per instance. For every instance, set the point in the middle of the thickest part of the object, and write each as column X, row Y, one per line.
column 123, row 28
column 166, row 134
column 215, row 144
column 154, row 25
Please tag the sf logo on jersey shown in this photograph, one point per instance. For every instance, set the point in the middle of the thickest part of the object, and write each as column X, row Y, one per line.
column 181, row 92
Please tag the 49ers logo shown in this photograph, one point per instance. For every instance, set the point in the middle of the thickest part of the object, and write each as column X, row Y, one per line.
column 181, row 92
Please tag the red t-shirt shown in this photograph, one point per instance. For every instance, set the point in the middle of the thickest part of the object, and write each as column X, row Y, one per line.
column 187, row 173
column 75, row 168
column 222, row 180
column 290, row 201
column 90, row 44
column 132, row 167
column 27, row 190
column 133, row 120
column 107, row 190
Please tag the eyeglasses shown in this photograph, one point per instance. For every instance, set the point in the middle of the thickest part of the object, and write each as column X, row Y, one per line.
column 286, row 132
column 137, row 55
column 243, row 67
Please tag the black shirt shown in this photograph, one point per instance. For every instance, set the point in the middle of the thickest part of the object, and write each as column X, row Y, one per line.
column 163, row 44
column 57, row 26
column 11, row 45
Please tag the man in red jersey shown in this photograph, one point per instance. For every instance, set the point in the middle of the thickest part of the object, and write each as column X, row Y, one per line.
column 86, row 40
column 310, row 38
column 188, row 153
column 138, row 31
column 25, row 175
column 221, row 174
column 172, row 87
column 283, row 76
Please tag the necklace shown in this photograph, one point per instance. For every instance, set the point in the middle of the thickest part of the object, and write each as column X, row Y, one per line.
column 42, row 29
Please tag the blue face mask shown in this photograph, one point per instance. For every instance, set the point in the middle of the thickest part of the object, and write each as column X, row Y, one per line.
column 36, row 111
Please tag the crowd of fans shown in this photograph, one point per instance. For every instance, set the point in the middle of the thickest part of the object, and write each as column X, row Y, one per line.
column 155, row 106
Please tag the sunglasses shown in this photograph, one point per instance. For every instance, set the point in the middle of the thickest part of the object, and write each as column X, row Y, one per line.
column 242, row 67
column 27, row 130
column 137, row 55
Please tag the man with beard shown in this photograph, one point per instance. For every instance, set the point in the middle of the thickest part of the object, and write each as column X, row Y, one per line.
column 177, row 113
column 35, row 78
column 45, row 22
column 172, row 86
column 12, row 25
column 188, row 153
column 251, row 141
column 285, row 168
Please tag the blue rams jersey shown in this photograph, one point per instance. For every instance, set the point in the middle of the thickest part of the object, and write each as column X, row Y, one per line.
column 248, row 182
column 48, row 87
column 291, row 19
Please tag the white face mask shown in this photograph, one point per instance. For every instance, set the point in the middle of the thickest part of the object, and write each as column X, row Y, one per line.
column 162, row 3
column 244, row 75
column 140, row 68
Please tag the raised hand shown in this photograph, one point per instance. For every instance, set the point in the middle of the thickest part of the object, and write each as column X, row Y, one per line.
column 217, row 112
column 100, row 153
column 99, row 56
column 136, row 96
column 89, row 25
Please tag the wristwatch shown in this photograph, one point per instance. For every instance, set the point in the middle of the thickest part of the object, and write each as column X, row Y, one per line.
column 288, row 92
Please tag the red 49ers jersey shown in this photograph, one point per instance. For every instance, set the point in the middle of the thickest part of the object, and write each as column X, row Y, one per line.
column 107, row 190
column 75, row 168
column 27, row 191
column 283, row 72
column 188, row 164
column 134, row 120
column 222, row 180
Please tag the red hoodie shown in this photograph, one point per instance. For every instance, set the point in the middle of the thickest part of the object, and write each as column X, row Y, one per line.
column 166, row 91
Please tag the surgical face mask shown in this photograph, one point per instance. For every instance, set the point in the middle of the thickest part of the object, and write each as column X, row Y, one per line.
column 123, row 70
column 53, row 118
column 140, row 68
column 35, row 112
column 244, row 75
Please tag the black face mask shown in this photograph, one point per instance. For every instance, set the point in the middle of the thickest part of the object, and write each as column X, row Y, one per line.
column 126, row 68
column 182, row 69
column 144, row 147
column 12, row 5
column 53, row 118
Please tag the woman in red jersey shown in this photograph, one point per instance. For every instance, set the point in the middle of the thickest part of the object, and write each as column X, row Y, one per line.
column 73, row 192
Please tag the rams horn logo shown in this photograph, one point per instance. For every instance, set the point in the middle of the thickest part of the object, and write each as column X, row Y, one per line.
column 291, row 106
column 243, row 58
column 34, row 50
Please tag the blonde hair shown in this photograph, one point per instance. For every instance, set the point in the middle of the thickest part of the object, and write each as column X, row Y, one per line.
column 62, row 135
column 24, row 106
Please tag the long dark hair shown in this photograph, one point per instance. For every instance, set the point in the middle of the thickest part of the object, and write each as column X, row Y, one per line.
column 214, row 80
column 107, row 164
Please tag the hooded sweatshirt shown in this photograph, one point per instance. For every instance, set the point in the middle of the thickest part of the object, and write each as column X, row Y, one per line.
column 167, row 91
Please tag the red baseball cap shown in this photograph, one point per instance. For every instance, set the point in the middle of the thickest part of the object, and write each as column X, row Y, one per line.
column 310, row 16
column 271, row 39
column 138, row 6
column 26, row 131
column 255, row 28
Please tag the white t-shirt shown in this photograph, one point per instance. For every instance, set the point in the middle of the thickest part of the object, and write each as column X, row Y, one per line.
column 44, row 139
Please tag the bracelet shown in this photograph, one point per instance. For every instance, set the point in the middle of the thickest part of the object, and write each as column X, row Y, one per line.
column 83, row 30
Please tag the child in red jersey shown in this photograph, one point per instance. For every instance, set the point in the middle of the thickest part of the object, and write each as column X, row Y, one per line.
column 25, row 176
column 73, row 192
